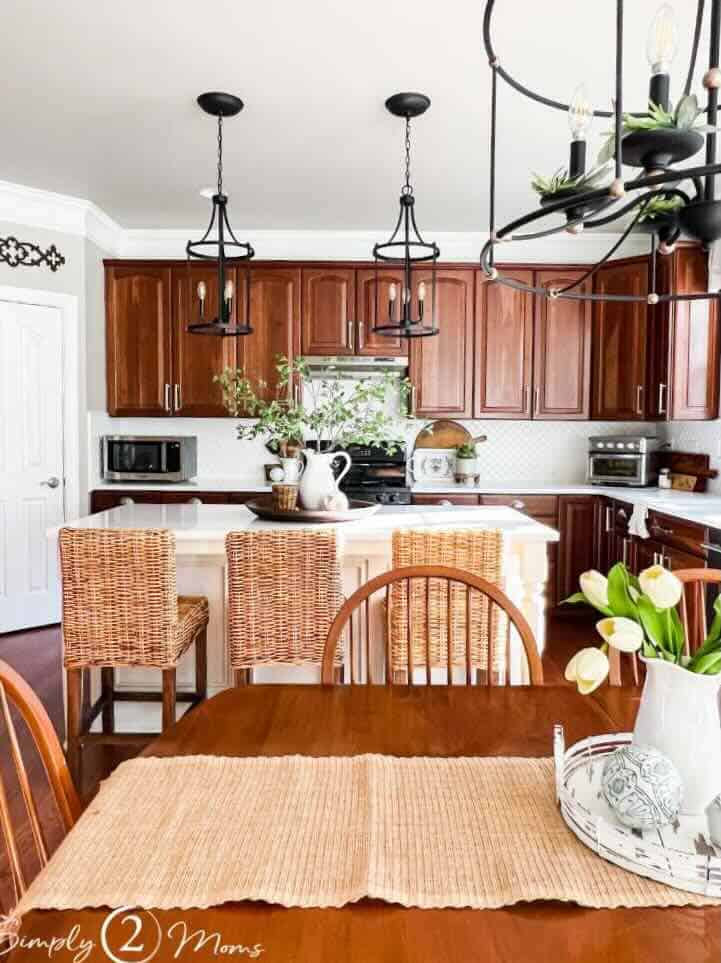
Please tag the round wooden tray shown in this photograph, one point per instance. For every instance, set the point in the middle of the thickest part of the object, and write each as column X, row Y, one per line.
column 681, row 855
column 263, row 508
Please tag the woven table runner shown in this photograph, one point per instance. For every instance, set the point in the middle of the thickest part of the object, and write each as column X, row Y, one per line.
column 197, row 831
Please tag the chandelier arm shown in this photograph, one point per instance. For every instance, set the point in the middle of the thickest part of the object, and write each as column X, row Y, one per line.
column 602, row 221
column 494, row 114
column 618, row 106
column 597, row 267
column 694, row 47
column 712, row 109
column 394, row 235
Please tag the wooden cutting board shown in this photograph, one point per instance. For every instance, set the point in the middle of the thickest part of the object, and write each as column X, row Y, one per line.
column 443, row 433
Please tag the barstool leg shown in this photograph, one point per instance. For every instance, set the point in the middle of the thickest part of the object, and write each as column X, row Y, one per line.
column 74, row 687
column 107, row 684
column 169, row 694
column 201, row 665
column 242, row 677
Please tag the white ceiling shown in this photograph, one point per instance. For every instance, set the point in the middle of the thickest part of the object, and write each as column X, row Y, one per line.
column 99, row 102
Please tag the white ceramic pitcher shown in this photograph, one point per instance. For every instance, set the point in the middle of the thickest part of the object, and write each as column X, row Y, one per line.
column 318, row 481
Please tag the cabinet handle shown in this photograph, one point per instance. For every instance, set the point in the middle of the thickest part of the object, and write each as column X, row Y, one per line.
column 178, row 398
column 166, row 401
column 625, row 551
column 639, row 395
column 412, row 402
column 445, row 502
column 661, row 399
column 536, row 397
column 127, row 500
column 361, row 339
column 518, row 504
column 524, row 401
column 608, row 519
column 659, row 529
column 350, row 335
column 195, row 501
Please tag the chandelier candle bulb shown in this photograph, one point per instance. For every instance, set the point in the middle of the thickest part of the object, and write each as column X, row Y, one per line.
column 580, row 115
column 661, row 49
column 229, row 291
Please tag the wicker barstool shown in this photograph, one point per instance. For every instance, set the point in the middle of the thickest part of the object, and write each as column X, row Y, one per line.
column 284, row 590
column 120, row 609
column 425, row 621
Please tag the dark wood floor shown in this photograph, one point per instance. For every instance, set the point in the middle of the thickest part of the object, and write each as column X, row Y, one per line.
column 36, row 655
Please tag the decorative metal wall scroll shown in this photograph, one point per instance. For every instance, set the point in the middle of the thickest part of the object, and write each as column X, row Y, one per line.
column 16, row 253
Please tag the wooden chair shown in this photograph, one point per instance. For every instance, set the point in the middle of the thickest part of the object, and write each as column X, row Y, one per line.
column 437, row 633
column 284, row 590
column 120, row 609
column 693, row 611
column 14, row 691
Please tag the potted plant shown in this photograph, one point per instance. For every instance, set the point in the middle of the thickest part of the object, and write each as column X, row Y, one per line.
column 331, row 414
column 466, row 459
column 679, row 712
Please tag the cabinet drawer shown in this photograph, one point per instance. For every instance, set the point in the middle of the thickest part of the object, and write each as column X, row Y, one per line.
column 445, row 499
column 686, row 536
column 542, row 507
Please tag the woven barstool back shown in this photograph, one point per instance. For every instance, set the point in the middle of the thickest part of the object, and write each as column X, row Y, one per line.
column 479, row 552
column 120, row 602
column 284, row 590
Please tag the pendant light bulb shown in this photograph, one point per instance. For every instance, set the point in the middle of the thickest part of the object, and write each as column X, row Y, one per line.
column 202, row 291
column 422, row 291
column 229, row 291
column 662, row 42
column 580, row 113
column 392, row 293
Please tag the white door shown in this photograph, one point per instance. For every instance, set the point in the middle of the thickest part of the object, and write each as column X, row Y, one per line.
column 31, row 462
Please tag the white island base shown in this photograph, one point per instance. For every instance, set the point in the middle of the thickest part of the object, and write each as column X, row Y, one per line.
column 365, row 551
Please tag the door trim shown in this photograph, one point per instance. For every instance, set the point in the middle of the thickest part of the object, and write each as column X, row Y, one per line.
column 67, row 304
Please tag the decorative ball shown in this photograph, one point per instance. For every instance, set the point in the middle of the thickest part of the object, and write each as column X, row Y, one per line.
column 712, row 78
column 642, row 787
column 616, row 188
column 575, row 228
column 652, row 298
column 276, row 474
column 665, row 248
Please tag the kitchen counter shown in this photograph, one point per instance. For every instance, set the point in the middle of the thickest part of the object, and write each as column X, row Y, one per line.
column 365, row 551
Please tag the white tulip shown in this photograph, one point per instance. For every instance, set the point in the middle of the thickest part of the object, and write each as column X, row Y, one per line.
column 588, row 669
column 661, row 586
column 595, row 587
column 623, row 634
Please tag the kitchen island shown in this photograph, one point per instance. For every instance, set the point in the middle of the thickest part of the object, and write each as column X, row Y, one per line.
column 365, row 551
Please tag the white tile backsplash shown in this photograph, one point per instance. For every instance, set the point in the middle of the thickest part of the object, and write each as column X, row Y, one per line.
column 550, row 451
column 698, row 437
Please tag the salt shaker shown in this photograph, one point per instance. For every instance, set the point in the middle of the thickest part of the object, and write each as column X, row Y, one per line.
column 664, row 478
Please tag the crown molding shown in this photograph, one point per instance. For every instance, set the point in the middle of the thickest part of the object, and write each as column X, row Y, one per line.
column 32, row 207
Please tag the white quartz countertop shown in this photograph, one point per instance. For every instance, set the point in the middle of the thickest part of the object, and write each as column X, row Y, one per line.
column 210, row 523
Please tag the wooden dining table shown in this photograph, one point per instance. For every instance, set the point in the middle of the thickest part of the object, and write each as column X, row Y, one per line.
column 401, row 721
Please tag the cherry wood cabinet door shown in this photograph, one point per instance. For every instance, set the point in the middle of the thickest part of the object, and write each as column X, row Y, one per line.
column 368, row 343
column 576, row 523
column 328, row 309
column 275, row 318
column 441, row 369
column 504, row 349
column 138, row 339
column 197, row 358
column 562, row 351
column 619, row 344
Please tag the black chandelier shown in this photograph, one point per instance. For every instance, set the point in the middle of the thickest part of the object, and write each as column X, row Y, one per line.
column 406, row 247
column 219, row 244
column 653, row 141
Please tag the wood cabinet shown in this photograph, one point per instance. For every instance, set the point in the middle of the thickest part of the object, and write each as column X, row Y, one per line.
column 533, row 354
column 684, row 343
column 576, row 523
column 329, row 302
column 562, row 351
column 198, row 358
column 138, row 340
column 504, row 348
column 619, row 343
column 103, row 499
column 372, row 300
column 447, row 499
column 441, row 369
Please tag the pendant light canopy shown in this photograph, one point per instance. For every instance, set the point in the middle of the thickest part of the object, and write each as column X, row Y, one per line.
column 219, row 244
column 406, row 313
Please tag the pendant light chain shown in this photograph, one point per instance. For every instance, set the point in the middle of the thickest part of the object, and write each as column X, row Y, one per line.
column 220, row 153
column 407, row 188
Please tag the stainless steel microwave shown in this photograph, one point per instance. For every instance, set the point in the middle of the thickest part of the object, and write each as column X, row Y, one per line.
column 623, row 460
column 149, row 458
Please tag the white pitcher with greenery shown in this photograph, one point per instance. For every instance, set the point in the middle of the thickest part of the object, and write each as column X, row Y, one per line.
column 679, row 711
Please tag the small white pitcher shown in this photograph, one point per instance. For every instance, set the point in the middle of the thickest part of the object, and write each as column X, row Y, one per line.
column 293, row 468
column 318, row 481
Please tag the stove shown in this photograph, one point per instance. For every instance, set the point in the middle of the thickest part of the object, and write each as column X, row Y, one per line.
column 377, row 476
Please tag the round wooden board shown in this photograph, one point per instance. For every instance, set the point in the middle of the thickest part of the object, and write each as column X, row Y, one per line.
column 263, row 508
column 443, row 433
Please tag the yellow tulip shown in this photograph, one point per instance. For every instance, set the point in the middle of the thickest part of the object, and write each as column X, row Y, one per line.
column 595, row 587
column 661, row 586
column 623, row 634
column 588, row 669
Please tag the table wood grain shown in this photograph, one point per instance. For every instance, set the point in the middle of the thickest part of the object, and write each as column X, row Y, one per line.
column 272, row 720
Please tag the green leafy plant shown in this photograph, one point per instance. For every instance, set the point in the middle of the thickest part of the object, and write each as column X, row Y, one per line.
column 560, row 183
column 466, row 450
column 684, row 117
column 659, row 207
column 334, row 414
column 639, row 614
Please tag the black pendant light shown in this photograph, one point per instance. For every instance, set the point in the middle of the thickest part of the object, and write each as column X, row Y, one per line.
column 219, row 244
column 406, row 247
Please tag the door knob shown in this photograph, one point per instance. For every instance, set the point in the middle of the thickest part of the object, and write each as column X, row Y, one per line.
column 51, row 482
